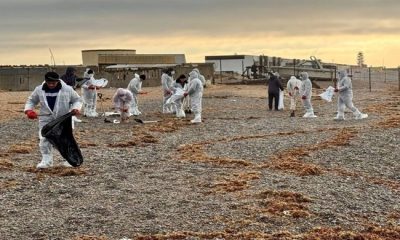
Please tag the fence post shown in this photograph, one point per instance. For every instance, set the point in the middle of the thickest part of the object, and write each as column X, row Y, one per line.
column 384, row 69
column 369, row 77
column 220, row 69
column 398, row 70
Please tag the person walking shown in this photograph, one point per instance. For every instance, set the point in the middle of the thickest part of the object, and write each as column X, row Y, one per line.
column 56, row 99
column 274, row 85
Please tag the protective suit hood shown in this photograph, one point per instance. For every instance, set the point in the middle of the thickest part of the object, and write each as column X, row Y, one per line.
column 342, row 74
column 193, row 74
column 303, row 75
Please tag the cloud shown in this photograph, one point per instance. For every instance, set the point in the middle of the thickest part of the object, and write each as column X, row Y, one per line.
column 195, row 27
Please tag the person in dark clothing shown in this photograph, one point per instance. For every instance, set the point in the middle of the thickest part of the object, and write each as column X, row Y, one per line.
column 70, row 77
column 274, row 85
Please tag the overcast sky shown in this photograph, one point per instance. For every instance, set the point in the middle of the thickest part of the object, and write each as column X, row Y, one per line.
column 333, row 30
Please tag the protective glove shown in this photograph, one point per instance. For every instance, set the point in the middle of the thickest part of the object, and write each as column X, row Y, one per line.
column 304, row 97
column 185, row 94
column 290, row 94
column 75, row 112
column 124, row 110
column 31, row 114
column 336, row 90
column 296, row 88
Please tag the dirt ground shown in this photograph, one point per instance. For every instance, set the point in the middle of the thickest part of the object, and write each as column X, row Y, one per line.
column 244, row 173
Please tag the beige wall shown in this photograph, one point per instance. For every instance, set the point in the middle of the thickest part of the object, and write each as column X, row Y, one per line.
column 91, row 57
column 111, row 59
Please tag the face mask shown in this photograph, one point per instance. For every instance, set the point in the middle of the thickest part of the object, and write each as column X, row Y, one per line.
column 172, row 72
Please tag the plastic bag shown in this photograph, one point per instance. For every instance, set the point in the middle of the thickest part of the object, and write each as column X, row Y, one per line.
column 176, row 96
column 59, row 134
column 281, row 106
column 328, row 94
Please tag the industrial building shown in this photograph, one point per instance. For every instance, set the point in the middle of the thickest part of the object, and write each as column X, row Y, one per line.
column 106, row 57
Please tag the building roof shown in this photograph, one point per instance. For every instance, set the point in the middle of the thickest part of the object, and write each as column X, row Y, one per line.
column 110, row 50
column 227, row 57
column 137, row 66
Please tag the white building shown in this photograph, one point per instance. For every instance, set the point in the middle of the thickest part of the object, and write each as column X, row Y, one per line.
column 232, row 63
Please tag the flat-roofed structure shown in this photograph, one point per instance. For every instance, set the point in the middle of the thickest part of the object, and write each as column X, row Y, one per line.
column 106, row 57
column 91, row 57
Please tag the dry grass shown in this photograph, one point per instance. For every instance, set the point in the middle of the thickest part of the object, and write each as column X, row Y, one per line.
column 369, row 233
column 234, row 183
column 284, row 203
column 58, row 171
column 168, row 125
column 141, row 138
column 392, row 184
column 389, row 110
column 205, row 235
column 129, row 143
column 291, row 160
column 7, row 184
column 23, row 148
column 195, row 153
column 86, row 144
column 5, row 164
column 87, row 237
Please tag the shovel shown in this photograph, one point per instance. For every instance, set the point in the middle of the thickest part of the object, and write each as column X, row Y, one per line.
column 142, row 122
column 100, row 95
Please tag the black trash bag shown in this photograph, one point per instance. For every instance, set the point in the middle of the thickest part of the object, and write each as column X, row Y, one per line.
column 59, row 133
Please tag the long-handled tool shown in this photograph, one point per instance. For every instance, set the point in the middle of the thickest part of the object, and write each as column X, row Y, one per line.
column 141, row 121
column 100, row 95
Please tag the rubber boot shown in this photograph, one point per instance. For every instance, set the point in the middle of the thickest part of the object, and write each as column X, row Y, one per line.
column 197, row 118
column 47, row 161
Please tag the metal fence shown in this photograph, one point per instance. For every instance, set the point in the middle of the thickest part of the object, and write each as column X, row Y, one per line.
column 376, row 76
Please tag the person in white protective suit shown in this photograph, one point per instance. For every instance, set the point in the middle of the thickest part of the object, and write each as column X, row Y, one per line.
column 186, row 101
column 293, row 88
column 201, row 77
column 306, row 94
column 135, row 86
column 345, row 98
column 89, row 94
column 177, row 98
column 56, row 99
column 195, row 91
column 167, row 83
column 122, row 100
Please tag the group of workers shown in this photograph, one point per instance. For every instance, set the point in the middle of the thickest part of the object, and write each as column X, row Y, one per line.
column 184, row 93
column 57, row 96
column 302, row 88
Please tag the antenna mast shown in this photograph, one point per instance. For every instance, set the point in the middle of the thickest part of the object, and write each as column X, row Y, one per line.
column 52, row 60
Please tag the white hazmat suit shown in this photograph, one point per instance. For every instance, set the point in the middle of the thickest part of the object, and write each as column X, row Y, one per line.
column 122, row 100
column 195, row 92
column 167, row 85
column 345, row 98
column 67, row 99
column 293, row 88
column 306, row 94
column 201, row 77
column 176, row 100
column 135, row 86
column 89, row 95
